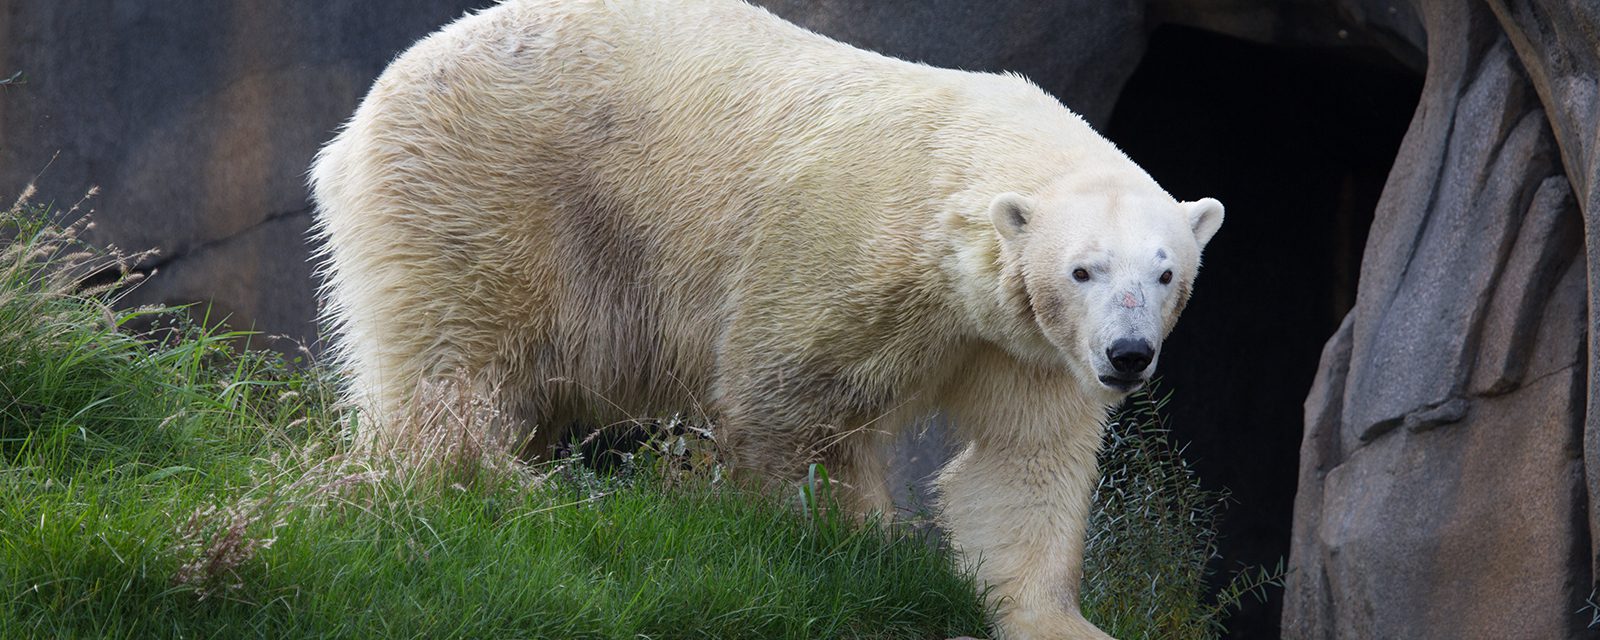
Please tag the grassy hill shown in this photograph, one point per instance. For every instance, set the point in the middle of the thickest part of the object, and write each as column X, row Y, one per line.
column 173, row 482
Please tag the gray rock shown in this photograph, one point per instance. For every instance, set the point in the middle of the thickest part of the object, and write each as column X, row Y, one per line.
column 1470, row 329
column 1559, row 43
column 1466, row 531
column 1444, row 226
column 1080, row 50
column 197, row 120
column 1308, row 609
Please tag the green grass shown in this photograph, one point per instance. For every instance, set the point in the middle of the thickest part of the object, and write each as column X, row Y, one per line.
column 473, row 564
column 175, row 483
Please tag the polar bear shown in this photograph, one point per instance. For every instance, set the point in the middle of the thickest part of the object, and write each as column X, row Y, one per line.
column 597, row 209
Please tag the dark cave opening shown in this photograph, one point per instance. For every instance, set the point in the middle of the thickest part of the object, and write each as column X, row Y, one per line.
column 1297, row 143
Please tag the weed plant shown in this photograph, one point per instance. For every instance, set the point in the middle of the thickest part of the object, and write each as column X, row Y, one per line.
column 1152, row 536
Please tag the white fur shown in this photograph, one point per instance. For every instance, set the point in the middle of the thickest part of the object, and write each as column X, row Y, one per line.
column 600, row 209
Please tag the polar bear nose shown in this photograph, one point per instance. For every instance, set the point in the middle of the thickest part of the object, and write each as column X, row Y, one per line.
column 1129, row 355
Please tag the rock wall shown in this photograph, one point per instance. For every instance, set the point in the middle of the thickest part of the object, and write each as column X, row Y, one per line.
column 197, row 119
column 1443, row 490
column 1559, row 45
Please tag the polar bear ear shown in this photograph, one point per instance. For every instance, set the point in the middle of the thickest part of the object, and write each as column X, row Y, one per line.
column 1205, row 217
column 1010, row 213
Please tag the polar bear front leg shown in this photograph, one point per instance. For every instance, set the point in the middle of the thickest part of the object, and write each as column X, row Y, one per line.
column 1016, row 500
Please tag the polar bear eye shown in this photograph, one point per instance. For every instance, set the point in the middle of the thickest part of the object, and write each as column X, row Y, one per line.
column 1166, row 277
column 1080, row 274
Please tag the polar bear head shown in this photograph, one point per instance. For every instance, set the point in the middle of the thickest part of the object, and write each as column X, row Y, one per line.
column 1106, row 268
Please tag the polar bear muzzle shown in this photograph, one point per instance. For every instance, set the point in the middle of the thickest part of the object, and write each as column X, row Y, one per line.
column 1129, row 357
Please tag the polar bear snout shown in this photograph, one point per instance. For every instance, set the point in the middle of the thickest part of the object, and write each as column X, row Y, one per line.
column 1129, row 357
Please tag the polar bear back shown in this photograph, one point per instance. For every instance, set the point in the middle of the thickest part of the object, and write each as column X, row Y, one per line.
column 597, row 190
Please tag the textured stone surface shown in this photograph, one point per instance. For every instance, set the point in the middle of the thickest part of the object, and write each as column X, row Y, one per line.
column 197, row 119
column 1559, row 43
column 1477, row 150
column 1442, row 488
column 1080, row 50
